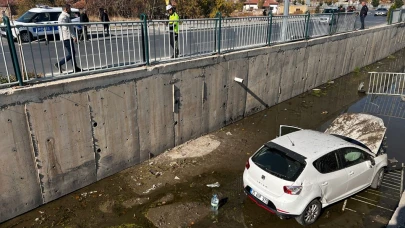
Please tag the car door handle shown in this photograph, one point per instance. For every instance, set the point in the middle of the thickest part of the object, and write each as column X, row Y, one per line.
column 351, row 173
column 324, row 183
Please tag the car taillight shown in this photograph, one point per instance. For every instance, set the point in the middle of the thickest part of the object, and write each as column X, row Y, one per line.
column 247, row 166
column 292, row 190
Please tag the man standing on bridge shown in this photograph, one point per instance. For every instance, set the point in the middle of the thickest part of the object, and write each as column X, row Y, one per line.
column 66, row 34
column 174, row 30
column 363, row 13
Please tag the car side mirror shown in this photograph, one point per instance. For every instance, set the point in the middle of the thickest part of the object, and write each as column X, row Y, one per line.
column 372, row 161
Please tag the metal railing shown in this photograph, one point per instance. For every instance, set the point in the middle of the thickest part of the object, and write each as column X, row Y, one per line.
column 396, row 16
column 144, row 42
column 195, row 38
column 383, row 83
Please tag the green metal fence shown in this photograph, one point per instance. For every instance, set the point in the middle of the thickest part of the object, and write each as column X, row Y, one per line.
column 146, row 42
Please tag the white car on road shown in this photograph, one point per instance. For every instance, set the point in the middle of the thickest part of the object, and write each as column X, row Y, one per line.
column 38, row 16
column 299, row 173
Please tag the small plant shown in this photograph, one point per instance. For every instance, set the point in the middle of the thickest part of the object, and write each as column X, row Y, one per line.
column 356, row 70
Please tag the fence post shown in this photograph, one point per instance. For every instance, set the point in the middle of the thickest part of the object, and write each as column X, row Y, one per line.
column 307, row 19
column 391, row 15
column 270, row 26
column 219, row 16
column 13, row 52
column 145, row 38
column 331, row 23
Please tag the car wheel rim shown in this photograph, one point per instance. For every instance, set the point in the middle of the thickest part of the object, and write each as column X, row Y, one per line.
column 25, row 37
column 311, row 213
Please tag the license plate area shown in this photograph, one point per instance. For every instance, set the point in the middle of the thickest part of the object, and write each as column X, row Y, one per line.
column 259, row 197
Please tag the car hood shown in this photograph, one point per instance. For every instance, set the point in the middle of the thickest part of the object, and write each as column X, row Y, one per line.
column 366, row 129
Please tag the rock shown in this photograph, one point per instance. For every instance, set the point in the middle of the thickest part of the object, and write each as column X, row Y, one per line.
column 228, row 133
column 176, row 178
column 107, row 207
column 135, row 201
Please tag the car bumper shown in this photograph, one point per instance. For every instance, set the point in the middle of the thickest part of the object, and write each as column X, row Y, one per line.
column 283, row 206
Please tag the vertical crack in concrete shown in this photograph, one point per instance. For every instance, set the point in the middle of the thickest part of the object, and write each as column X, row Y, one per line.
column 34, row 147
column 136, row 121
column 96, row 155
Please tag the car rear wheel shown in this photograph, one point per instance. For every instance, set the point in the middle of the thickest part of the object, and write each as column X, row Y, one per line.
column 310, row 214
column 377, row 179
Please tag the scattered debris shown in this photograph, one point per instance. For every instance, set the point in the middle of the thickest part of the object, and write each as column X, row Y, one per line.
column 392, row 160
column 155, row 173
column 41, row 212
column 176, row 178
column 228, row 133
column 361, row 88
column 214, row 185
column 324, row 112
column 37, row 219
column 152, row 188
column 331, row 82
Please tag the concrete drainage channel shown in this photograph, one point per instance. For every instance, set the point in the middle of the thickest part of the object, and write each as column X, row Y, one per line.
column 378, row 205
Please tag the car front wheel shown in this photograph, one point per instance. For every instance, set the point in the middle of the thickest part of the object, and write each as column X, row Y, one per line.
column 377, row 180
column 310, row 214
column 25, row 36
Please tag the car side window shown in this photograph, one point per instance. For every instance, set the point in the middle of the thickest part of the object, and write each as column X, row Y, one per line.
column 55, row 16
column 327, row 163
column 352, row 156
column 42, row 17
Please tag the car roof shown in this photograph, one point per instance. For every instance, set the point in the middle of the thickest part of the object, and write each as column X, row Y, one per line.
column 311, row 144
column 49, row 9
column 364, row 128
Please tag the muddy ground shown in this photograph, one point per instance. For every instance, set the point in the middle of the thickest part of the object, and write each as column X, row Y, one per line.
column 170, row 190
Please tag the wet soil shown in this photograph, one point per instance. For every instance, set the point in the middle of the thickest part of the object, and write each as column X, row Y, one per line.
column 170, row 190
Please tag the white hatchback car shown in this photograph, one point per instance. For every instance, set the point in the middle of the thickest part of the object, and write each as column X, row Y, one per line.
column 40, row 15
column 299, row 173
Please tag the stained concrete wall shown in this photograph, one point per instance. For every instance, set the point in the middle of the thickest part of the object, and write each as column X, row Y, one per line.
column 59, row 136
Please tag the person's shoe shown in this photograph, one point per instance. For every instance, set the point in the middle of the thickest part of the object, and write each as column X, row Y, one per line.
column 77, row 70
column 56, row 65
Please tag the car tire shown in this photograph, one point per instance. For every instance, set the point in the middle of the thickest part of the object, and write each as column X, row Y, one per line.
column 25, row 36
column 376, row 183
column 310, row 214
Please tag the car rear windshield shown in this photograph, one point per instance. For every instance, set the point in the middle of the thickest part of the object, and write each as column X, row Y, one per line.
column 278, row 163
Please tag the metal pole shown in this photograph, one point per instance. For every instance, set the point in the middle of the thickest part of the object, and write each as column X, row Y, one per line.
column 285, row 19
column 270, row 28
column 307, row 19
column 13, row 52
column 145, row 39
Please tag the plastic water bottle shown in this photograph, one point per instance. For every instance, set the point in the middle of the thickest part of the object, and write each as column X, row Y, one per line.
column 214, row 202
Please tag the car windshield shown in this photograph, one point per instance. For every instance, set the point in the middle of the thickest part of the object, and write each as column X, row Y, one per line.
column 381, row 9
column 329, row 10
column 278, row 163
column 26, row 17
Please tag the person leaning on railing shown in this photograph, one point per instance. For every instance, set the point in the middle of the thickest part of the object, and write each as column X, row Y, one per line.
column 174, row 30
column 67, row 33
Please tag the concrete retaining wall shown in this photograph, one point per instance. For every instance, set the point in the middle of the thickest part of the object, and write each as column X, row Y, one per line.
column 60, row 136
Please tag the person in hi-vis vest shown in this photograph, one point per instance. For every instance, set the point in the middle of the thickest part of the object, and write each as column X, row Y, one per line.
column 174, row 30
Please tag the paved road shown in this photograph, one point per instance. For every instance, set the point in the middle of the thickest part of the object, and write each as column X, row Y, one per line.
column 125, row 47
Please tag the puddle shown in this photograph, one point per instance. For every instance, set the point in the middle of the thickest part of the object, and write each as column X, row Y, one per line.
column 118, row 201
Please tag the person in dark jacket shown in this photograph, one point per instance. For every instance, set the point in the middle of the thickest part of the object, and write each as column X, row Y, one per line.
column 363, row 13
column 104, row 18
column 85, row 19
